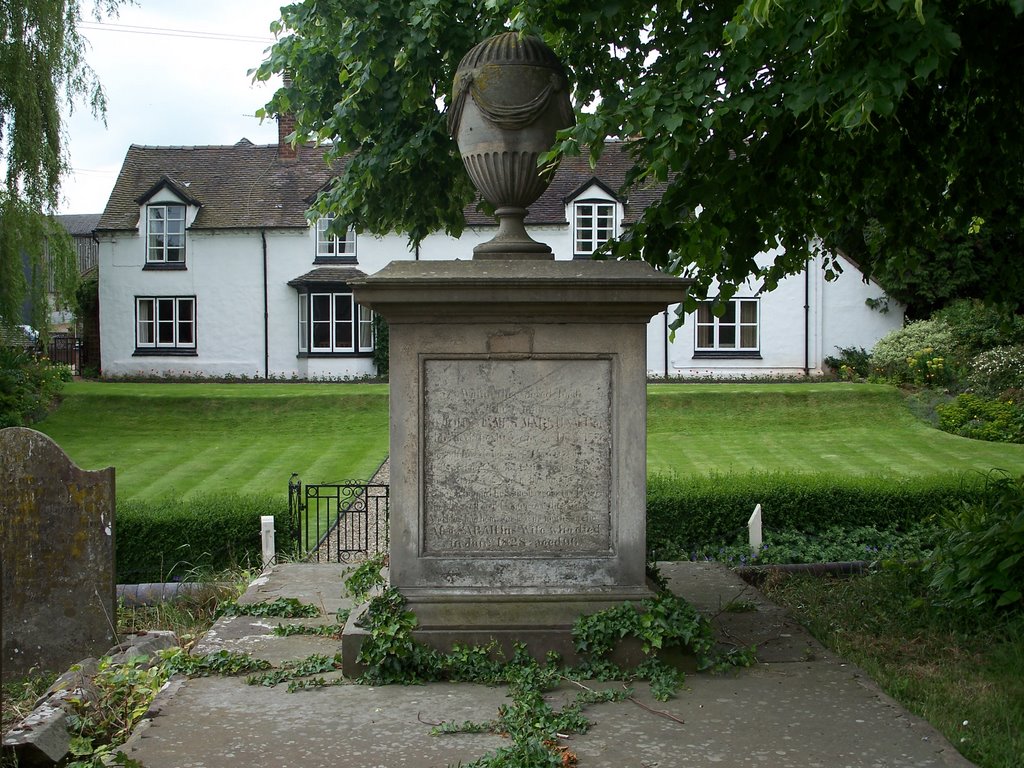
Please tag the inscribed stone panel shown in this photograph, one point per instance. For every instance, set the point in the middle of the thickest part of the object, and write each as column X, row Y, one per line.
column 517, row 456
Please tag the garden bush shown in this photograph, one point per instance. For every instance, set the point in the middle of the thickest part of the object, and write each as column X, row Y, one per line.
column 976, row 327
column 983, row 418
column 997, row 370
column 922, row 352
column 27, row 386
column 686, row 514
column 979, row 559
column 851, row 363
column 174, row 539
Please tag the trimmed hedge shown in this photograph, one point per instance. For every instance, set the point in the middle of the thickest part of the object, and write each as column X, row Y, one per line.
column 687, row 513
column 174, row 539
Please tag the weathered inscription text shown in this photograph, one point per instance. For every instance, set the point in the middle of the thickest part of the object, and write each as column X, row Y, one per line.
column 517, row 456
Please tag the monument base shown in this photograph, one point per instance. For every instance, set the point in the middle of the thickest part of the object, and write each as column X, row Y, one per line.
column 542, row 623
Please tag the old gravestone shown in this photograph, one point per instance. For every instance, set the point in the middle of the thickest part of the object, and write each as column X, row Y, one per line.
column 57, row 551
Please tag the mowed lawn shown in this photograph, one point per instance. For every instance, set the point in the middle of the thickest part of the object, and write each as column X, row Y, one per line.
column 831, row 428
column 180, row 439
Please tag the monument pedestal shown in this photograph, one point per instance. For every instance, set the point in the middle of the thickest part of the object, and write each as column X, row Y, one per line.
column 518, row 442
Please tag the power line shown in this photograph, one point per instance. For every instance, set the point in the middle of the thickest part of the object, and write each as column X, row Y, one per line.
column 166, row 32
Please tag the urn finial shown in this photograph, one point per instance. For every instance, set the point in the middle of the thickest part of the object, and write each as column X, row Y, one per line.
column 510, row 97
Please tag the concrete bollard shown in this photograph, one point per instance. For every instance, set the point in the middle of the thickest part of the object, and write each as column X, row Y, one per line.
column 267, row 532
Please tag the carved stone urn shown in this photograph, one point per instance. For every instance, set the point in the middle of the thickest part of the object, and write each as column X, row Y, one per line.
column 510, row 97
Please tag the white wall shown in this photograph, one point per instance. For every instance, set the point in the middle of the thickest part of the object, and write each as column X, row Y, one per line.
column 225, row 274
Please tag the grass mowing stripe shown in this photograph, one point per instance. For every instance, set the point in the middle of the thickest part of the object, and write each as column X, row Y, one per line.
column 170, row 439
column 841, row 428
column 332, row 432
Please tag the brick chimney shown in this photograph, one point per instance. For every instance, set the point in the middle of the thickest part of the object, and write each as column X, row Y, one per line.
column 285, row 126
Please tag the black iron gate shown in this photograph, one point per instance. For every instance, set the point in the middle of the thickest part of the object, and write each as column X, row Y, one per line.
column 338, row 522
column 66, row 350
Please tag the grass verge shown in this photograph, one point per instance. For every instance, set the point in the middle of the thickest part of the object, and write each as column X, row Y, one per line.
column 961, row 671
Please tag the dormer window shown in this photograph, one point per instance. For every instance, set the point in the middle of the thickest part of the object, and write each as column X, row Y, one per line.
column 329, row 246
column 593, row 226
column 165, row 234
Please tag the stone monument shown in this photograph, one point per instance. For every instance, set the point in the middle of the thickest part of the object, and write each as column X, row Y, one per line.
column 57, row 546
column 518, row 395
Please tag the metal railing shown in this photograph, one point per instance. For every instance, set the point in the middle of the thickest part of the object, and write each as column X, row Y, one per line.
column 338, row 522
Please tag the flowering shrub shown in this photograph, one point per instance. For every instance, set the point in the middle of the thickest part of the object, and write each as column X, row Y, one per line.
column 983, row 418
column 926, row 369
column 921, row 341
column 998, row 370
column 27, row 386
column 851, row 363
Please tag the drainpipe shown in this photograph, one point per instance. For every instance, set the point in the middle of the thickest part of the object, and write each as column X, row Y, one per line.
column 417, row 252
column 266, row 311
column 666, row 344
column 807, row 318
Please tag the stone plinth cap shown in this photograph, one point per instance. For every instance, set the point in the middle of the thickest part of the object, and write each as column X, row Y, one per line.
column 556, row 291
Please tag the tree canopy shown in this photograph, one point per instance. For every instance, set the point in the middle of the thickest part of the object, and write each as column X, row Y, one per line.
column 42, row 65
column 886, row 128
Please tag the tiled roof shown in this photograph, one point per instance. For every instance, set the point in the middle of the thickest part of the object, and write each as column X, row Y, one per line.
column 322, row 275
column 244, row 186
column 239, row 186
column 78, row 224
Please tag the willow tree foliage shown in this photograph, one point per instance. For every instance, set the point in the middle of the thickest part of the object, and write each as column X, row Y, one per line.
column 886, row 126
column 42, row 66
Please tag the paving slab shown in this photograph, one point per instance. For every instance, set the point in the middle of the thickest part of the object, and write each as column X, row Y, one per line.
column 799, row 706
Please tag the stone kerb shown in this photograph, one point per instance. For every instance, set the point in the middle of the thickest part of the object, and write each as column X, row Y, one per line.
column 57, row 547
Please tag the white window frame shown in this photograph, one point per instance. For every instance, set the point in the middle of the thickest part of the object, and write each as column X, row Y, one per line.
column 344, row 335
column 732, row 331
column 330, row 246
column 158, row 236
column 303, row 322
column 594, row 223
column 165, row 313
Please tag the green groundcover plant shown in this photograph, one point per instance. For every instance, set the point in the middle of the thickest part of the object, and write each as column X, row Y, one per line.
column 983, row 418
column 979, row 559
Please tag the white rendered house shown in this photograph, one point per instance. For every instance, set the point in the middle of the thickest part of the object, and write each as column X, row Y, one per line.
column 209, row 267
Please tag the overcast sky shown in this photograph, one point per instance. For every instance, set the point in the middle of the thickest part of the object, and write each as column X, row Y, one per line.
column 180, row 80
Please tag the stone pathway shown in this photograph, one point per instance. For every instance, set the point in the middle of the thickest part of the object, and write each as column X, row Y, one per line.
column 353, row 528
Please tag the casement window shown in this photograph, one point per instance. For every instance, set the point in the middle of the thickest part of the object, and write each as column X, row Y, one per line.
column 330, row 246
column 593, row 226
column 735, row 331
column 165, row 324
column 332, row 323
column 165, row 234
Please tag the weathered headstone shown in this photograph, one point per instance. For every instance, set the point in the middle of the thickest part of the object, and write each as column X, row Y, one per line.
column 57, row 551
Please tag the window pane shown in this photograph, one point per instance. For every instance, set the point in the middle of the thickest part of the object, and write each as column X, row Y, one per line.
column 748, row 337
column 748, row 311
column 704, row 313
column 145, row 311
column 727, row 337
column 343, row 306
column 730, row 314
column 365, row 329
column 343, row 321
column 705, row 336
column 303, row 321
column 321, row 307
